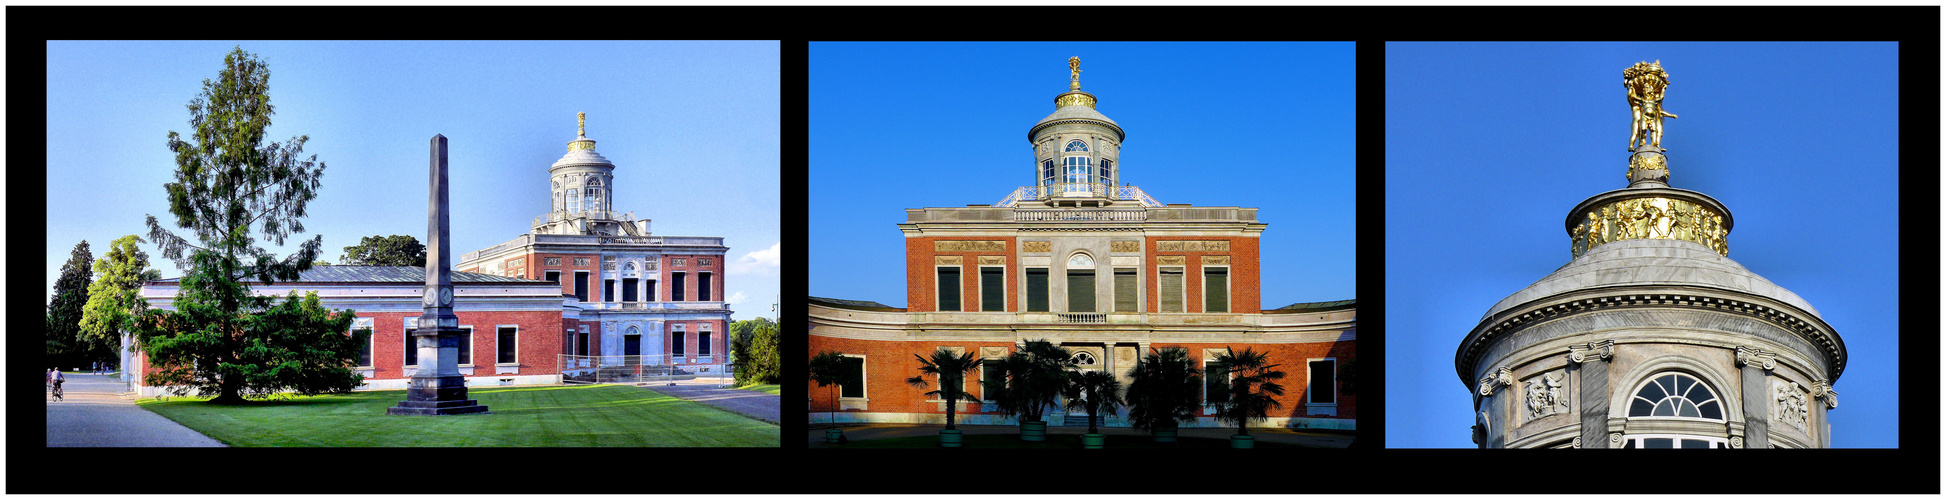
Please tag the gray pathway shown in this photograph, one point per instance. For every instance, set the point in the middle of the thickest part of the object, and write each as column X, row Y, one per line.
column 93, row 413
column 757, row 405
column 858, row 432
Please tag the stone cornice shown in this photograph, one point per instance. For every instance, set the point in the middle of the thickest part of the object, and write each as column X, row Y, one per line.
column 1507, row 322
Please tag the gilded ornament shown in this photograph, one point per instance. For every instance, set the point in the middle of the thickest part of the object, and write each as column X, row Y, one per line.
column 1653, row 217
column 1646, row 82
column 1074, row 73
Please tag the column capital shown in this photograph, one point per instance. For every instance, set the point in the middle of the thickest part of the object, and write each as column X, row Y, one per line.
column 1747, row 356
column 1821, row 389
column 1603, row 350
column 1500, row 377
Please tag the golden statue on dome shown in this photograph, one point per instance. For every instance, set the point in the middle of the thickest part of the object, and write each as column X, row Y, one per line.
column 581, row 119
column 1646, row 82
column 1074, row 73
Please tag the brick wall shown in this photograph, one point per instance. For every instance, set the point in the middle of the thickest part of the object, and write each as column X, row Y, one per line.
column 922, row 275
column 1246, row 294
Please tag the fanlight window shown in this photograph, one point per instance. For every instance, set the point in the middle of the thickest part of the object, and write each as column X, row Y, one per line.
column 1675, row 395
column 1081, row 260
column 1083, row 358
column 1077, row 146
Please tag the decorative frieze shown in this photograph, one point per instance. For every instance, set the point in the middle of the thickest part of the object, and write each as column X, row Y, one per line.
column 1220, row 260
column 1500, row 377
column 1036, row 246
column 1547, row 395
column 1603, row 351
column 1193, row 246
column 948, row 260
column 993, row 260
column 993, row 352
column 969, row 246
column 1789, row 403
column 1171, row 260
column 1124, row 246
column 1747, row 356
column 1653, row 217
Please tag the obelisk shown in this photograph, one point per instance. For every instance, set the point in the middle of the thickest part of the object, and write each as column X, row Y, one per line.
column 437, row 388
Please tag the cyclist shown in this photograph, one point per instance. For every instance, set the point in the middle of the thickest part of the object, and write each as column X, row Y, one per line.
column 54, row 380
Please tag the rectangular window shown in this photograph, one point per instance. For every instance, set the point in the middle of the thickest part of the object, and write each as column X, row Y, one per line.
column 993, row 379
column 702, row 287
column 651, row 289
column 1037, row 289
column 1125, row 289
column 1108, row 172
column 1323, row 381
column 993, row 289
column 949, row 288
column 675, row 343
column 581, row 286
column 365, row 349
column 1171, row 289
column 508, row 341
column 554, row 277
column 607, row 290
column 466, row 346
column 1047, row 172
column 581, row 343
column 675, row 286
column 411, row 348
column 702, row 344
column 851, row 384
column 1081, row 290
column 631, row 290
column 1216, row 382
column 1216, row 289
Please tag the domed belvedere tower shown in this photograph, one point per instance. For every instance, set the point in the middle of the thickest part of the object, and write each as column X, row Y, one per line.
column 1651, row 337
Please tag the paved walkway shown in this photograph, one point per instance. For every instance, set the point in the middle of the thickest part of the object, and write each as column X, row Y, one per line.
column 92, row 413
column 859, row 432
column 717, row 393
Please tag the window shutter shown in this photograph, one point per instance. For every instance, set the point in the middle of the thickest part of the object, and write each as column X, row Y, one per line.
column 1125, row 290
column 1172, row 290
column 993, row 289
column 1081, row 290
column 949, row 289
column 1216, row 289
column 1037, row 289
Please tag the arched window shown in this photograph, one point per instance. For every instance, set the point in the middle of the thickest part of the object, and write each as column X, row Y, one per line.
column 1081, row 261
column 1083, row 358
column 1675, row 396
column 1077, row 145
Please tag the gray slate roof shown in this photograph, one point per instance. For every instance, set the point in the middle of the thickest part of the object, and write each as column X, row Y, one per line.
column 1651, row 262
column 387, row 274
column 1318, row 306
column 854, row 304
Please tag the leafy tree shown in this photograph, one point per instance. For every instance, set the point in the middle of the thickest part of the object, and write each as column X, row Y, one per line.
column 752, row 368
column 64, row 311
column 1093, row 392
column 1165, row 390
column 765, row 353
column 1249, row 391
column 394, row 250
column 827, row 369
column 1036, row 375
column 229, row 190
column 950, row 369
column 116, row 297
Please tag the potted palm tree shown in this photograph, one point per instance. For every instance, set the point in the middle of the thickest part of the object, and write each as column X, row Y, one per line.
column 1093, row 392
column 1164, row 391
column 1036, row 375
column 1250, row 390
column 827, row 369
column 950, row 369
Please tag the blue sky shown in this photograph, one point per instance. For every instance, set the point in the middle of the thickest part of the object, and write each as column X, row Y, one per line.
column 693, row 129
column 1268, row 125
column 1488, row 145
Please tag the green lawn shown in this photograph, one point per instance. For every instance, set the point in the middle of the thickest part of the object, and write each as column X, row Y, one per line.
column 764, row 388
column 1053, row 442
column 598, row 415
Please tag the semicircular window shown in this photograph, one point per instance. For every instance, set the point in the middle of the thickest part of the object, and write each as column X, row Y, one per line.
column 1077, row 146
column 1083, row 358
column 1675, row 395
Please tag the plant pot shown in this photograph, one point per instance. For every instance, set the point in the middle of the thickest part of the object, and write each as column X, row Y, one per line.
column 951, row 438
column 832, row 435
column 1033, row 430
column 1164, row 434
column 1092, row 441
column 1243, row 441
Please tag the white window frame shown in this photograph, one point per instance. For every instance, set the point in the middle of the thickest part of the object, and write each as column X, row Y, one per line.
column 1311, row 384
column 496, row 345
column 1182, row 291
column 1113, row 288
column 409, row 325
column 1048, row 291
column 1722, row 407
column 1229, row 294
column 1230, row 375
column 864, row 382
column 371, row 343
column 469, row 347
column 982, row 287
column 1639, row 440
column 959, row 289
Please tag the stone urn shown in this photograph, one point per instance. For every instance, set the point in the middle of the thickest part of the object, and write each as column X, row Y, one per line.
column 1033, row 430
column 951, row 438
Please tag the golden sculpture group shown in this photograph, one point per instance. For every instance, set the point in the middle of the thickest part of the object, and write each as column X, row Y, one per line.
column 1646, row 82
column 1643, row 218
column 1074, row 73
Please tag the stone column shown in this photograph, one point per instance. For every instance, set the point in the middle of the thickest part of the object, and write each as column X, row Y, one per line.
column 438, row 388
column 1756, row 395
column 1488, row 408
column 1588, row 368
